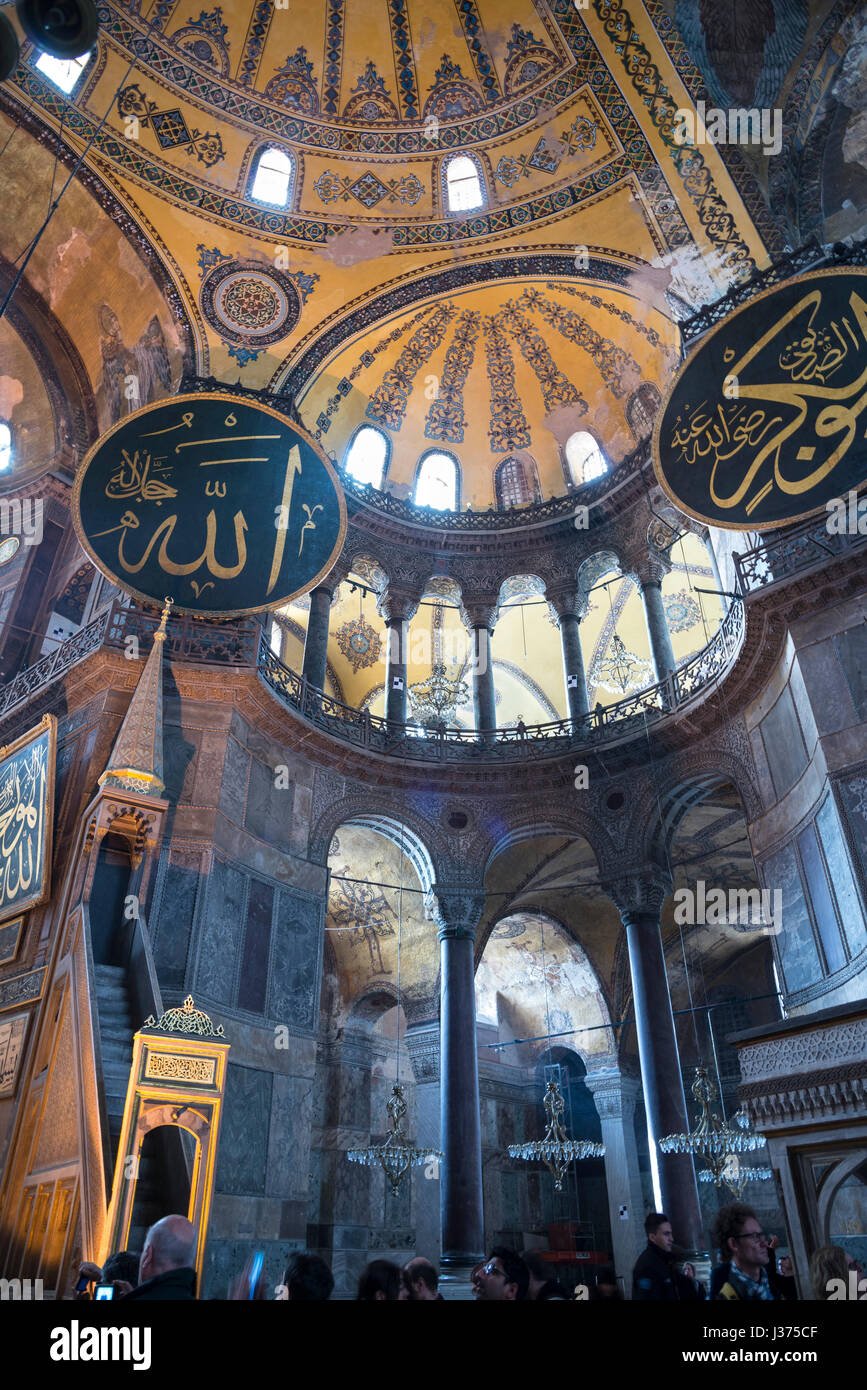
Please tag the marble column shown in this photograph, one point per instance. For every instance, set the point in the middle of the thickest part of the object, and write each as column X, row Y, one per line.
column 463, row 1231
column 615, row 1095
column 571, row 607
column 396, row 608
column 316, row 641
column 650, row 575
column 423, row 1045
column 480, row 618
column 639, row 901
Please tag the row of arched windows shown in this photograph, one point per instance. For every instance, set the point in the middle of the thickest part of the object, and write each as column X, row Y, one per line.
column 436, row 485
column 271, row 180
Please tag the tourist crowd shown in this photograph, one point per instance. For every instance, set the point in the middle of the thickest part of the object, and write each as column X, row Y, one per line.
column 748, row 1270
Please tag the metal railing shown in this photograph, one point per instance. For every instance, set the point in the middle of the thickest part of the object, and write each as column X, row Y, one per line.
column 795, row 551
column 602, row 725
column 812, row 256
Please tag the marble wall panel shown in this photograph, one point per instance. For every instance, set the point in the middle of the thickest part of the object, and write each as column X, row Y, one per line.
column 289, row 1137
column 295, row 956
column 795, row 943
column 172, row 922
column 269, row 806
column 180, row 753
column 784, row 743
column 852, row 654
column 233, row 789
column 242, row 1159
column 220, row 932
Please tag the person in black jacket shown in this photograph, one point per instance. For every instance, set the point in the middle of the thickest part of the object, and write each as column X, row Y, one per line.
column 166, row 1270
column 654, row 1276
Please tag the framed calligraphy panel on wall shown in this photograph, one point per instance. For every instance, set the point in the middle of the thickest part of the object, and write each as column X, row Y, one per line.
column 766, row 422
column 26, row 818
column 223, row 503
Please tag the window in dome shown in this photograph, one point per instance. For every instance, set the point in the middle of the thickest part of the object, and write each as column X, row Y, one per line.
column 437, row 483
column 5, row 446
column 584, row 457
column 63, row 72
column 463, row 184
column 512, row 486
column 272, row 177
column 642, row 408
column 367, row 455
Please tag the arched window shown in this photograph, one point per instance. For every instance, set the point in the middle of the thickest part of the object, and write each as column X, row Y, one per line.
column 63, row 72
column 5, row 446
column 367, row 455
column 642, row 408
column 511, row 485
column 463, row 184
column 273, row 172
column 584, row 457
column 437, row 483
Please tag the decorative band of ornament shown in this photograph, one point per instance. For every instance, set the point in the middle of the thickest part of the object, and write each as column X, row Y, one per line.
column 168, row 1066
column 188, row 1019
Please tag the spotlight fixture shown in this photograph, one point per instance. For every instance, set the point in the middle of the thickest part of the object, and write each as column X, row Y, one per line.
column 63, row 28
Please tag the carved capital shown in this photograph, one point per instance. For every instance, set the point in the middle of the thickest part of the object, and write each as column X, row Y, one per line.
column 614, row 1094
column 568, row 602
column 423, row 1046
column 480, row 612
column 651, row 567
column 456, row 910
column 639, row 894
column 397, row 605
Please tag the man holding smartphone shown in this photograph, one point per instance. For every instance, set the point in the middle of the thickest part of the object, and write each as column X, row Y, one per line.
column 120, row 1273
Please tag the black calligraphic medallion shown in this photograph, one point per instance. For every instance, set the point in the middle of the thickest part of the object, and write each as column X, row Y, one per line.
column 26, row 815
column 223, row 504
column 766, row 422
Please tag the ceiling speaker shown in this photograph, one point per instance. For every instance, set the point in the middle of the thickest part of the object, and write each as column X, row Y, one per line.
column 63, row 28
column 8, row 49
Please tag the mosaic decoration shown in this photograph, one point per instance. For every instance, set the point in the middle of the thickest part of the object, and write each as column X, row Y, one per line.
column 389, row 402
column 613, row 361
column 557, row 390
column 294, row 85
column 599, row 303
column 257, row 32
column 368, row 189
column 546, row 156
column 205, row 39
column 401, row 42
column 445, row 419
column 169, row 127
column 468, row 13
column 365, row 914
column 148, row 360
column 335, row 18
column 451, row 94
column 717, row 222
column 367, row 359
column 360, row 643
column 743, row 50
column 508, row 428
column 71, row 603
column 528, row 60
column 370, row 99
column 681, row 611
column 249, row 306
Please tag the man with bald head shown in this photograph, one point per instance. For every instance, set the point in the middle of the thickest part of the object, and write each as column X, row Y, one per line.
column 166, row 1270
column 420, row 1280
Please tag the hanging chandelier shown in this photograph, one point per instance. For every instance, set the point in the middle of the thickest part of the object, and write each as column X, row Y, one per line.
column 619, row 669
column 396, row 1155
column 735, row 1174
column 434, row 700
column 713, row 1139
column 555, row 1148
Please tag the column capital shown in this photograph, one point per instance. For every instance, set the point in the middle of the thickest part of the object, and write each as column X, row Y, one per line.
column 457, row 909
column 614, row 1093
column 651, row 567
column 639, row 894
column 568, row 602
column 480, row 611
column 397, row 605
column 423, row 1046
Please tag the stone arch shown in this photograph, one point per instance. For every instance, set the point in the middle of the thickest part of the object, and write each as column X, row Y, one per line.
column 597, row 564
column 659, row 810
column 576, row 825
column 404, row 826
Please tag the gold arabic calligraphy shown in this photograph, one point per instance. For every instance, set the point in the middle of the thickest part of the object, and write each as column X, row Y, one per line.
column 23, row 785
column 714, row 434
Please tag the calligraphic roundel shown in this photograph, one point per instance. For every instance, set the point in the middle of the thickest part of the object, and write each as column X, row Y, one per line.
column 766, row 422
column 221, row 502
